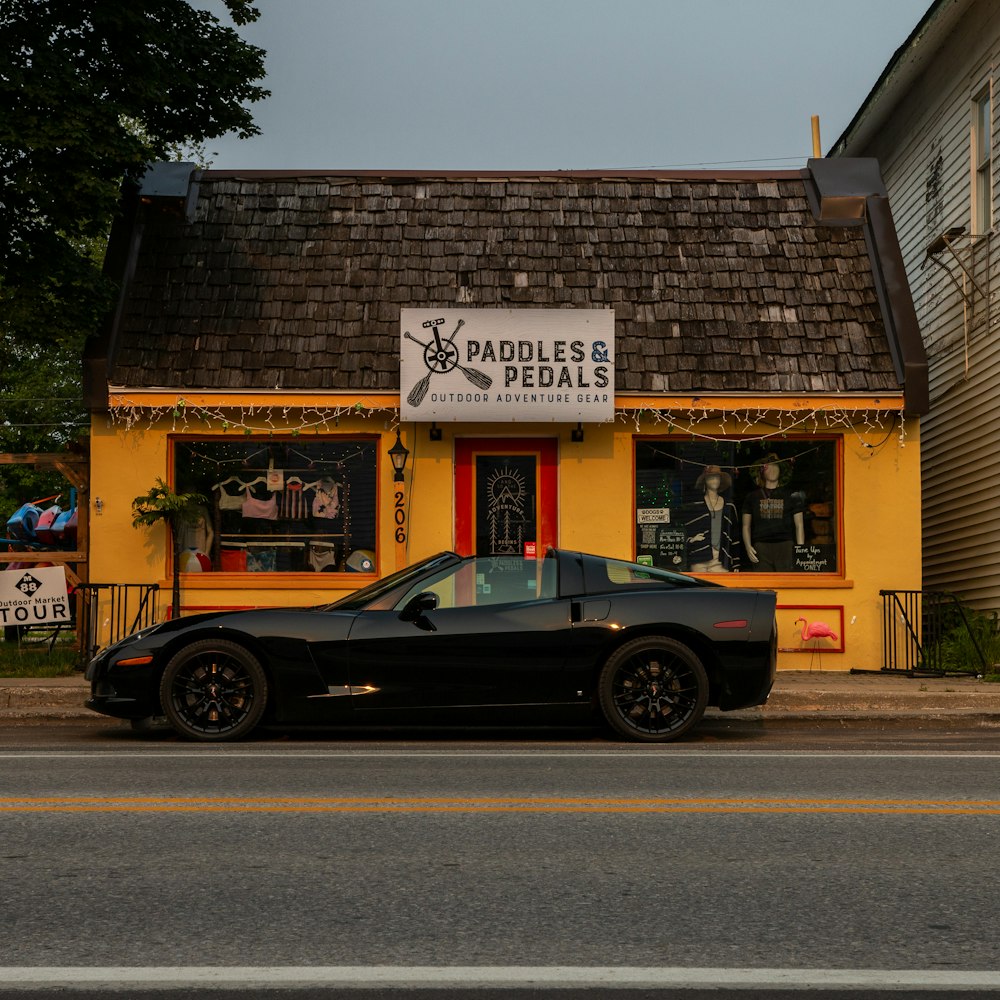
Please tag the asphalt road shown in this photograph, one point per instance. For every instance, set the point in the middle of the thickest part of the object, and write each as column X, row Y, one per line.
column 495, row 993
column 806, row 859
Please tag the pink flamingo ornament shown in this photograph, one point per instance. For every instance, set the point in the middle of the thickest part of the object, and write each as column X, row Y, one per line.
column 816, row 630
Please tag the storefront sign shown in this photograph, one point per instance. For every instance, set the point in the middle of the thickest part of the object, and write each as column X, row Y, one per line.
column 33, row 596
column 507, row 365
column 652, row 515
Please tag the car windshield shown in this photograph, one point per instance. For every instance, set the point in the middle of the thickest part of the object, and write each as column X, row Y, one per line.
column 362, row 598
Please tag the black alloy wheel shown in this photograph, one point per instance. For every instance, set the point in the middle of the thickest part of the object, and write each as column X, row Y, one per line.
column 213, row 690
column 653, row 689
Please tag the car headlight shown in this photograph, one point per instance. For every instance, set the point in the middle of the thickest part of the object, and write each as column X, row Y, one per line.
column 112, row 655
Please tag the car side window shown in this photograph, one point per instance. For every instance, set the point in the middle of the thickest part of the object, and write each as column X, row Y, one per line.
column 488, row 581
column 609, row 574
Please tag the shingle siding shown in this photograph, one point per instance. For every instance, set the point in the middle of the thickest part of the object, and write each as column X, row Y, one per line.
column 717, row 285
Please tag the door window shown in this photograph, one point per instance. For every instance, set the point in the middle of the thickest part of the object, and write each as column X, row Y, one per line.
column 505, row 497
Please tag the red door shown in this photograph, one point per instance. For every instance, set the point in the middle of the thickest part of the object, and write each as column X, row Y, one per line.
column 505, row 496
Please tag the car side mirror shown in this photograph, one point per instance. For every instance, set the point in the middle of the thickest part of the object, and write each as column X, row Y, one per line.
column 416, row 607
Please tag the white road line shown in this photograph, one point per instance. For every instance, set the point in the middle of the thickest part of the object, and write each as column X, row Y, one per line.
column 468, row 977
column 533, row 753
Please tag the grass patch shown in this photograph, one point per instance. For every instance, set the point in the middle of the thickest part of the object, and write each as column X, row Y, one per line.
column 35, row 659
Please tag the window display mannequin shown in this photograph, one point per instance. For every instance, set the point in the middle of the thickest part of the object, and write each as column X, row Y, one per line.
column 712, row 525
column 773, row 520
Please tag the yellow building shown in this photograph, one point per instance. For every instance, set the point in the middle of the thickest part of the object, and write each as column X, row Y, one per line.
column 720, row 374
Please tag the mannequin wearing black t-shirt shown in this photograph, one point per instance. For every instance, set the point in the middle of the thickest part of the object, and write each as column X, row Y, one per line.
column 773, row 522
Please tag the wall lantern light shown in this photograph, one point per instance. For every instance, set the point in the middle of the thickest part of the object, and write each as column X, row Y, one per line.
column 398, row 455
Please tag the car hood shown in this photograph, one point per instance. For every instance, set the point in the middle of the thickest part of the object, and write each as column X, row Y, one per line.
column 232, row 616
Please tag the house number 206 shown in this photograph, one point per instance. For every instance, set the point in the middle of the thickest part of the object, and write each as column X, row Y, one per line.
column 400, row 516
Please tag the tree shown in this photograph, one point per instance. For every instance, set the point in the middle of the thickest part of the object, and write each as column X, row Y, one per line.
column 91, row 92
column 176, row 510
column 40, row 410
column 76, row 80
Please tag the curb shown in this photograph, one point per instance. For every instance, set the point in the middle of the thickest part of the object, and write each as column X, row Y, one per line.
column 44, row 698
column 802, row 697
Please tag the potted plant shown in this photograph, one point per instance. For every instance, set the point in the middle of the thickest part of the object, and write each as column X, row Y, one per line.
column 175, row 510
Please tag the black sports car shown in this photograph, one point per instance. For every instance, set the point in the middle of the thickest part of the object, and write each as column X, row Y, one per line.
column 455, row 640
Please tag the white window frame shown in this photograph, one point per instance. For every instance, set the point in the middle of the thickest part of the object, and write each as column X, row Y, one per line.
column 982, row 161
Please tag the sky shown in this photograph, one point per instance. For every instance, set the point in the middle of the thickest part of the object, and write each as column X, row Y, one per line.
column 560, row 84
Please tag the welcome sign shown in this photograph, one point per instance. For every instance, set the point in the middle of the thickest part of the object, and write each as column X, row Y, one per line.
column 507, row 365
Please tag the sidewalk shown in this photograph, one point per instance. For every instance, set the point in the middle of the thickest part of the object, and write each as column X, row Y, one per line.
column 815, row 694
column 797, row 694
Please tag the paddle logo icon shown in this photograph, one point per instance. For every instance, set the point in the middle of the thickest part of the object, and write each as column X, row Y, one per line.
column 440, row 357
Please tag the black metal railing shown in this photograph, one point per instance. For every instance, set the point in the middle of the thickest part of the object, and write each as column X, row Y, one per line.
column 107, row 612
column 915, row 624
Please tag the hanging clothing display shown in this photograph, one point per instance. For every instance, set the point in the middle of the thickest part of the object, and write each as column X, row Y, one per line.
column 266, row 510
column 326, row 499
column 228, row 501
column 293, row 506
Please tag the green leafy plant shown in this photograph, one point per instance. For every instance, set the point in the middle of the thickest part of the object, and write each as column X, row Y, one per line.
column 176, row 510
column 962, row 639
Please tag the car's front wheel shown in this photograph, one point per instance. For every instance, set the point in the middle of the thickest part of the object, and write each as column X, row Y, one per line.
column 213, row 690
column 653, row 689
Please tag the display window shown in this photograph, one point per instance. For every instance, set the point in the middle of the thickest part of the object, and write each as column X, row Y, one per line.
column 735, row 506
column 274, row 506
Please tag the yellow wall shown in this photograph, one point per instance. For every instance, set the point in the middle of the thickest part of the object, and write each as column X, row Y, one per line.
column 881, row 519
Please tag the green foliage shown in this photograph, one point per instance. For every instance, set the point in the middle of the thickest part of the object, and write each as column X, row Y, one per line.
column 91, row 92
column 76, row 76
column 41, row 404
column 161, row 503
column 961, row 641
column 40, row 411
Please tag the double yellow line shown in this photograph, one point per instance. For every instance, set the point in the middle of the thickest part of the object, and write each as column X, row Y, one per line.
column 264, row 804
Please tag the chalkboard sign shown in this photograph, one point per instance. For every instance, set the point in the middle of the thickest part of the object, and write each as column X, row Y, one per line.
column 665, row 543
column 671, row 547
column 815, row 558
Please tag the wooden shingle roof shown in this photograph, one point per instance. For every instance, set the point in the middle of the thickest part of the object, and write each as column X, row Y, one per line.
column 718, row 284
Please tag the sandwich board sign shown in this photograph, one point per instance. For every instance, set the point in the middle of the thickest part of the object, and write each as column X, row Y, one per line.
column 34, row 596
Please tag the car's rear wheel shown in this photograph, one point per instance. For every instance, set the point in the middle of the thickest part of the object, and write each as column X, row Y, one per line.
column 213, row 690
column 653, row 689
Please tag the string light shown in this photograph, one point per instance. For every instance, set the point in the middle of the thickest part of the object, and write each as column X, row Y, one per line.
column 750, row 424
column 246, row 419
